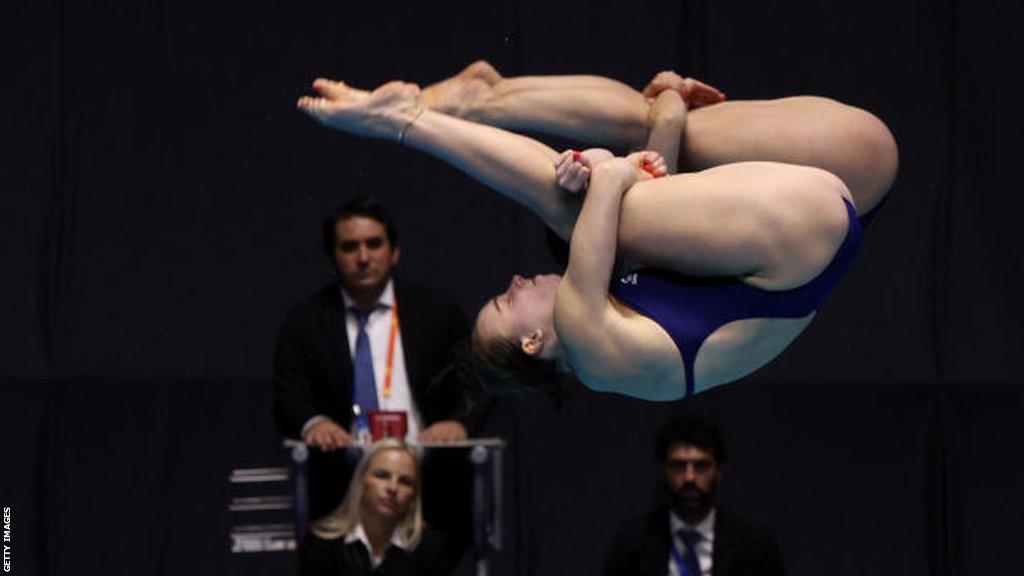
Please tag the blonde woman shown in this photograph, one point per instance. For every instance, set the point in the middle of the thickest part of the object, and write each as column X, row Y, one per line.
column 378, row 528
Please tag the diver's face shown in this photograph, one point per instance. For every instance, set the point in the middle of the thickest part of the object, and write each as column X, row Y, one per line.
column 526, row 306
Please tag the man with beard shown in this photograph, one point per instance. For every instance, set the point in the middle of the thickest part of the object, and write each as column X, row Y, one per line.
column 690, row 535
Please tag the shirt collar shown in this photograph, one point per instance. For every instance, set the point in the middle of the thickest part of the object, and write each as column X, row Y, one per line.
column 398, row 538
column 706, row 527
column 386, row 299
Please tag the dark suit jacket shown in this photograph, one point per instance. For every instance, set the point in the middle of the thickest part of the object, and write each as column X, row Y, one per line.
column 313, row 365
column 742, row 548
column 319, row 557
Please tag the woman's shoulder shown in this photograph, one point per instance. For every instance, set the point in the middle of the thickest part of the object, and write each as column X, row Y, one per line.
column 319, row 556
column 312, row 542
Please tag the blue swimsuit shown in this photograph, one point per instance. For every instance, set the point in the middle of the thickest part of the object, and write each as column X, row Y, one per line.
column 691, row 308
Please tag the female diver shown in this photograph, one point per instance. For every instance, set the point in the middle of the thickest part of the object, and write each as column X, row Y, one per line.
column 741, row 254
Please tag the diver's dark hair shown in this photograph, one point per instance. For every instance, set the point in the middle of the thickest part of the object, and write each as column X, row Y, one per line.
column 505, row 368
column 458, row 384
column 364, row 206
column 693, row 429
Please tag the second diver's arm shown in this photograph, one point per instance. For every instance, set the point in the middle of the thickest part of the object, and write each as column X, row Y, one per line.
column 667, row 127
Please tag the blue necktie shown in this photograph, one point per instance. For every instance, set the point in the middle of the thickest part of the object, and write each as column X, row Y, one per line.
column 365, row 384
column 690, row 563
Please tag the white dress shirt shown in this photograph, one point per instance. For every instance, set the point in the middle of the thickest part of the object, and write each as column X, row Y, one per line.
column 706, row 546
column 378, row 329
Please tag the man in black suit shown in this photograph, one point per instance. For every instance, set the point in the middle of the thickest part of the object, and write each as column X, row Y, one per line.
column 691, row 536
column 407, row 332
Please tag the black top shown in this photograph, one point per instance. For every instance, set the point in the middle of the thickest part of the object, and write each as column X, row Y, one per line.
column 319, row 557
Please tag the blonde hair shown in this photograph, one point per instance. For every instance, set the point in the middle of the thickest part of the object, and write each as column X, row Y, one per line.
column 346, row 517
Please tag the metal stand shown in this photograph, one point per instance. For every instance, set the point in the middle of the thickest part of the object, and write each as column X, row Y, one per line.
column 299, row 454
column 487, row 504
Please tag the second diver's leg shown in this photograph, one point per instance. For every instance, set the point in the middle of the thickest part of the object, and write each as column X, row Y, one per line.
column 809, row 130
column 585, row 108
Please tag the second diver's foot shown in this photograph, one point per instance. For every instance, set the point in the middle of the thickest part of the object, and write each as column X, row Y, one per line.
column 694, row 92
column 457, row 95
column 384, row 113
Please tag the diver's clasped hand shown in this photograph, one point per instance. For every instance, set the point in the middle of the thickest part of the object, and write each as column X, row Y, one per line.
column 573, row 168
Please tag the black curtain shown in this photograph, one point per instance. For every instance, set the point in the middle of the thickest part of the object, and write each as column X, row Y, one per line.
column 162, row 199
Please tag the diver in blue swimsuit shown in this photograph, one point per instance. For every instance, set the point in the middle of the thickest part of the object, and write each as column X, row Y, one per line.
column 690, row 308
column 745, row 251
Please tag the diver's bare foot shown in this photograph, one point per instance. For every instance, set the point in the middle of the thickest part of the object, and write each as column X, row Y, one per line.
column 456, row 95
column 383, row 113
column 694, row 92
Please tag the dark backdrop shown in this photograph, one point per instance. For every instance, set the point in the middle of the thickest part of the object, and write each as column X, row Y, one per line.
column 161, row 206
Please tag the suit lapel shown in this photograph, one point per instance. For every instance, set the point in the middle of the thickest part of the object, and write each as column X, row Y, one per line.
column 722, row 559
column 658, row 545
column 411, row 322
column 333, row 326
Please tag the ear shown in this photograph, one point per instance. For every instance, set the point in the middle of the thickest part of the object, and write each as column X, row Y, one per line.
column 532, row 344
column 396, row 254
